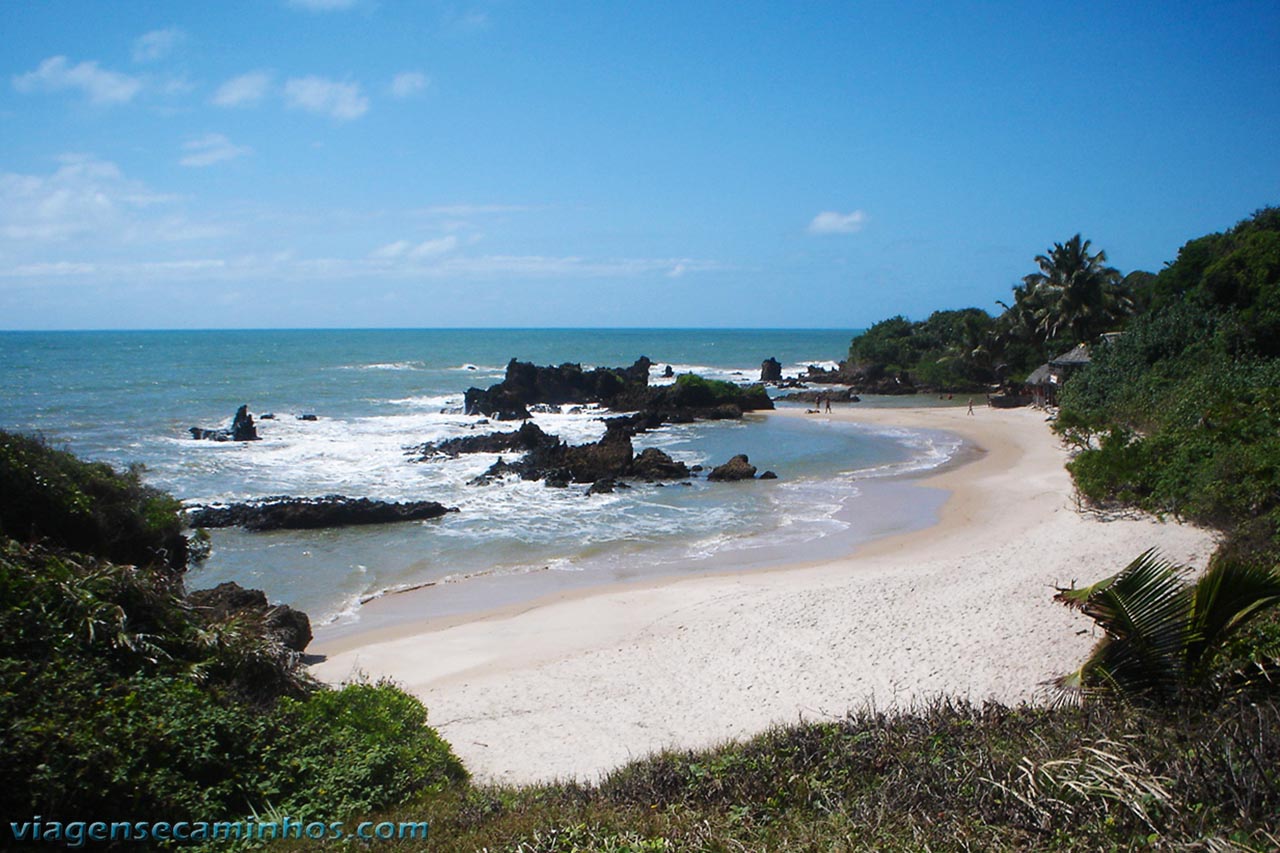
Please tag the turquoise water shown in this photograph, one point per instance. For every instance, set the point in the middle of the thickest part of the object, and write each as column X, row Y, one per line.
column 127, row 397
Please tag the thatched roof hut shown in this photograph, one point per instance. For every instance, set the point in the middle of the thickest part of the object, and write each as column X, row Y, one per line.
column 1040, row 375
column 1077, row 356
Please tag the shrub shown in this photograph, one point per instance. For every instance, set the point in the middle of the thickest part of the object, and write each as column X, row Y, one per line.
column 86, row 506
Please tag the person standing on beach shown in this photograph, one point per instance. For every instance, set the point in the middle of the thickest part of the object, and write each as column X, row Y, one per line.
column 827, row 400
column 971, row 405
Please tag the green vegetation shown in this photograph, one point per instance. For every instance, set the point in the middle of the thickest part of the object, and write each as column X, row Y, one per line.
column 694, row 391
column 118, row 698
column 1072, row 299
column 1167, row 640
column 949, row 776
column 950, row 350
column 1181, row 414
column 86, row 506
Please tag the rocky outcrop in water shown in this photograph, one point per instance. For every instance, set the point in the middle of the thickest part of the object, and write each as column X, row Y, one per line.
column 292, row 628
column 611, row 458
column 526, row 384
column 529, row 437
column 241, row 429
column 653, row 464
column 608, row 460
column 839, row 395
column 286, row 513
column 621, row 389
column 864, row 378
column 737, row 468
column 771, row 370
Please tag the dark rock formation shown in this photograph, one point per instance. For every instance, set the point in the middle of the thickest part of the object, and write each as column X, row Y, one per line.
column 771, row 370
column 653, row 464
column 609, row 459
column 307, row 417
column 606, row 487
column 864, row 378
column 528, row 437
column 668, row 372
column 620, row 389
column 495, row 473
column 241, row 429
column 292, row 628
column 526, row 384
column 768, row 475
column 840, row 395
column 737, row 468
column 285, row 513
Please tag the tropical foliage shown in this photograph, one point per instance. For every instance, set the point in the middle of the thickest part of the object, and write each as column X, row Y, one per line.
column 1181, row 414
column 949, row 350
column 1071, row 299
column 1164, row 635
column 119, row 699
column 1074, row 292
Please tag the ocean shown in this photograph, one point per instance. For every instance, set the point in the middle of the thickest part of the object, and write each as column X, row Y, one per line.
column 130, row 397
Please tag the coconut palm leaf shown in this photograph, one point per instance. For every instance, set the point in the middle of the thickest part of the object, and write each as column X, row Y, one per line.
column 1228, row 596
column 1145, row 611
column 1076, row 292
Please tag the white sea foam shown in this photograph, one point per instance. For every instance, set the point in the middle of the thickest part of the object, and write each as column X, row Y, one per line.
column 429, row 401
column 387, row 365
column 929, row 450
column 738, row 375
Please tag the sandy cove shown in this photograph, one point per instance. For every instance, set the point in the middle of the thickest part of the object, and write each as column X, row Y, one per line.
column 575, row 685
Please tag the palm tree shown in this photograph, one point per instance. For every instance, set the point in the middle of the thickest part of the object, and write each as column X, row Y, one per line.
column 1163, row 633
column 1076, row 292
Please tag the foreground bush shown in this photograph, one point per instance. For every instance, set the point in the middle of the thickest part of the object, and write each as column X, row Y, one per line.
column 119, row 700
column 50, row 495
column 948, row 776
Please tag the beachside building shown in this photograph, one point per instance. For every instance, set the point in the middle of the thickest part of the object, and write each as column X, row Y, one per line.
column 1043, row 382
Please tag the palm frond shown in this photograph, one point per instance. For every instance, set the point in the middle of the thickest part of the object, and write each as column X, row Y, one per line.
column 1227, row 597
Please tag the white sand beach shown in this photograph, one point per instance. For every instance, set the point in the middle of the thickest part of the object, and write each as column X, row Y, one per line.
column 574, row 685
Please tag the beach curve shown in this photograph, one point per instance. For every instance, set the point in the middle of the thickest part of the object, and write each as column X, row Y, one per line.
column 574, row 685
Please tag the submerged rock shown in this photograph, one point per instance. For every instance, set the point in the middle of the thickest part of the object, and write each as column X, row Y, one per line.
column 285, row 513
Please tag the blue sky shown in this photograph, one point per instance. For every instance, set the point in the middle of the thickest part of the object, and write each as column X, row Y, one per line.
column 353, row 163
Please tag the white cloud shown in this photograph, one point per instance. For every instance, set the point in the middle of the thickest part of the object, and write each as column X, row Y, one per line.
column 243, row 90
column 98, row 84
column 322, row 5
column 468, row 210
column 831, row 222
column 408, row 83
column 84, row 196
column 434, row 248
column 405, row 250
column 391, row 251
column 342, row 101
column 157, row 44
column 465, row 22
column 211, row 148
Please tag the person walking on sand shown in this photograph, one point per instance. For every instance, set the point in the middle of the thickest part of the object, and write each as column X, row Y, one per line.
column 971, row 405
column 827, row 400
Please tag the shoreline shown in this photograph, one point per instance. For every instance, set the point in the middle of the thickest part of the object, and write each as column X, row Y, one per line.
column 391, row 613
column 576, row 683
